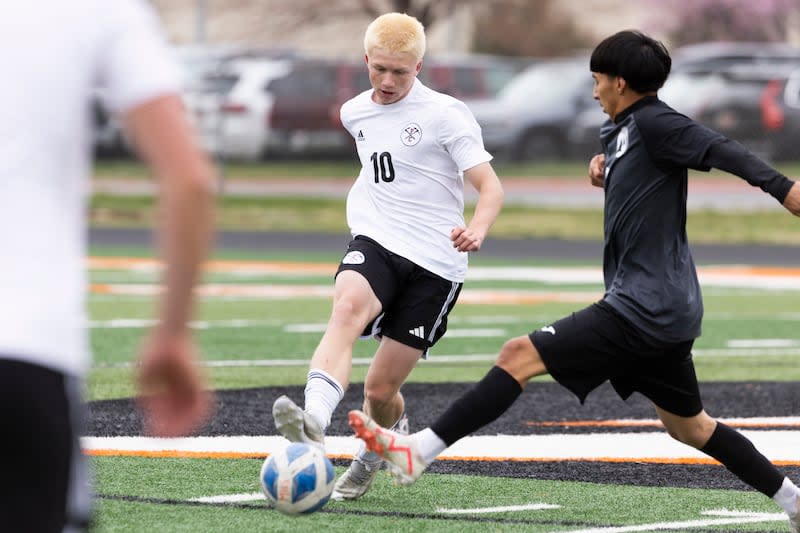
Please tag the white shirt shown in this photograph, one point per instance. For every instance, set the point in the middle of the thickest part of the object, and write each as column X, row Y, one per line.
column 409, row 194
column 52, row 54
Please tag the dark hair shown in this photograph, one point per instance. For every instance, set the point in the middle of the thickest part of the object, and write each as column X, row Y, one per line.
column 640, row 60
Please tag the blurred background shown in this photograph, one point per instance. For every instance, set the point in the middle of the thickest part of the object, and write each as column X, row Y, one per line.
column 264, row 79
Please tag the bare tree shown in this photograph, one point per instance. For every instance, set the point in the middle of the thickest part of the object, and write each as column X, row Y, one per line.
column 527, row 28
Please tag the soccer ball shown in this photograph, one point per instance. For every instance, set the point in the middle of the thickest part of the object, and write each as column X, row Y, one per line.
column 297, row 479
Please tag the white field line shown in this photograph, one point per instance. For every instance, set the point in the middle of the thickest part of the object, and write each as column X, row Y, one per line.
column 743, row 276
column 229, row 498
column 283, row 292
column 777, row 445
column 135, row 323
column 451, row 332
column 742, row 352
column 740, row 518
column 762, row 343
column 303, row 361
column 504, row 509
column 433, row 359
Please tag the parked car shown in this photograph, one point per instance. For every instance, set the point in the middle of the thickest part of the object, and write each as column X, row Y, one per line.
column 781, row 107
column 532, row 114
column 756, row 105
column 251, row 109
column 229, row 106
column 469, row 77
column 305, row 117
column 715, row 56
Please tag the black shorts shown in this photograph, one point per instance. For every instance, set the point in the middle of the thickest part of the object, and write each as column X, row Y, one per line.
column 45, row 479
column 415, row 301
column 597, row 344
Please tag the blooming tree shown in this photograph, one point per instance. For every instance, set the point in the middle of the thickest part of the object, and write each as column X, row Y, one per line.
column 728, row 20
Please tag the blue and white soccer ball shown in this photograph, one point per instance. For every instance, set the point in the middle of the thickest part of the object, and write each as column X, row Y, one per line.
column 297, row 479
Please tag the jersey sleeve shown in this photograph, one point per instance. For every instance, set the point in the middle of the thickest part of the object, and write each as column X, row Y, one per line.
column 345, row 113
column 136, row 65
column 673, row 139
column 460, row 134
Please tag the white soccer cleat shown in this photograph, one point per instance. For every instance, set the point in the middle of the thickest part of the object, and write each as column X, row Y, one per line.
column 356, row 480
column 295, row 424
column 398, row 451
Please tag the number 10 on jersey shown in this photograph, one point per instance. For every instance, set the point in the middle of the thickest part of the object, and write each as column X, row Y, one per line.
column 382, row 166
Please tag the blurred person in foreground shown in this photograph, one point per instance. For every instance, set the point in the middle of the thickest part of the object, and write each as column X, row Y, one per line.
column 403, row 271
column 640, row 335
column 52, row 55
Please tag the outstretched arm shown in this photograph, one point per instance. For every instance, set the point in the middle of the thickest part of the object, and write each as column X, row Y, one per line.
column 172, row 387
column 490, row 201
column 733, row 157
column 792, row 200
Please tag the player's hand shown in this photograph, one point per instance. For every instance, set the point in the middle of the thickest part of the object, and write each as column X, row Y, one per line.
column 597, row 171
column 466, row 240
column 172, row 387
column 792, row 200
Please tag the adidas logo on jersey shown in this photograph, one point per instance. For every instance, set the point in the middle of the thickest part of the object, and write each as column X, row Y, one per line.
column 360, row 136
column 418, row 331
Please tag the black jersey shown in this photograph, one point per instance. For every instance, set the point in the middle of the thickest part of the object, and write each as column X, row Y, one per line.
column 649, row 273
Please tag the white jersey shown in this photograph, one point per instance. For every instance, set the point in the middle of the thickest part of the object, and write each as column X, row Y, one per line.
column 409, row 194
column 52, row 54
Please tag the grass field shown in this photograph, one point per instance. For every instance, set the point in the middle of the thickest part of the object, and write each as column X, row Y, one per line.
column 252, row 312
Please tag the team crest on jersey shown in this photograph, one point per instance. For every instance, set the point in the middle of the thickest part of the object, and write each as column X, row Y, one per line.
column 411, row 134
column 622, row 142
column 353, row 258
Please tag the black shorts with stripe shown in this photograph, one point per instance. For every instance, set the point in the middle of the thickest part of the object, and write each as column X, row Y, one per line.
column 415, row 301
column 45, row 479
column 596, row 344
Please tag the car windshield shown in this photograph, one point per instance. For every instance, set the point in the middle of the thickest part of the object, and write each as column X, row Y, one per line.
column 546, row 85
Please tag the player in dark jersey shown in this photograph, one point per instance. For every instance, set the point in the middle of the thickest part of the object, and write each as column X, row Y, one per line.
column 639, row 336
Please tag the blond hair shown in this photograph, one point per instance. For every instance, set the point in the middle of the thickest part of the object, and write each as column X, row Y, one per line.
column 396, row 33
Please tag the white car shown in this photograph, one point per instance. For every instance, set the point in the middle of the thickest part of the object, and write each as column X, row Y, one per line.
column 230, row 106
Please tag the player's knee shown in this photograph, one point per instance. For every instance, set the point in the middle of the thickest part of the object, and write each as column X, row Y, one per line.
column 693, row 434
column 519, row 358
column 346, row 312
column 379, row 395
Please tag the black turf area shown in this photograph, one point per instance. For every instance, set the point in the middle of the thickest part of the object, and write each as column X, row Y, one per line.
column 248, row 412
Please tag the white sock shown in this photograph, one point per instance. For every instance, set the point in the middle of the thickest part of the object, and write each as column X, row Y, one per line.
column 429, row 445
column 787, row 496
column 323, row 394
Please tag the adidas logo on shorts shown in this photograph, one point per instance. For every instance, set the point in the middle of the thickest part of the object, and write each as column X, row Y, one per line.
column 418, row 331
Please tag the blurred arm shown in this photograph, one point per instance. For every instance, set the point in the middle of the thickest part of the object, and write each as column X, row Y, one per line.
column 490, row 201
column 733, row 157
column 171, row 383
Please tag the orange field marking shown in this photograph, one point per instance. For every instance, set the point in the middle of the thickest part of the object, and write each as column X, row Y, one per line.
column 177, row 454
column 262, row 267
column 650, row 423
column 184, row 454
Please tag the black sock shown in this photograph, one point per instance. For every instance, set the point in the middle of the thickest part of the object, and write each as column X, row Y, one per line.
column 483, row 403
column 738, row 454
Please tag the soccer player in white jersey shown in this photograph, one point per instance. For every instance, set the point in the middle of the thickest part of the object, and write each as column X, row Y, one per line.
column 52, row 54
column 404, row 268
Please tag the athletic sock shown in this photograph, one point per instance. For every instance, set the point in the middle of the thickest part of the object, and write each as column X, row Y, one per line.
column 323, row 394
column 738, row 454
column 482, row 404
column 429, row 445
column 787, row 496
